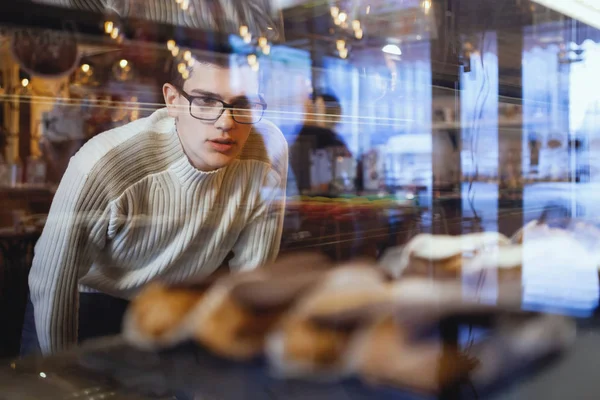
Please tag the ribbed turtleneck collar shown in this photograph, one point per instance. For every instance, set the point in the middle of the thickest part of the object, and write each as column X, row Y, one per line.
column 182, row 167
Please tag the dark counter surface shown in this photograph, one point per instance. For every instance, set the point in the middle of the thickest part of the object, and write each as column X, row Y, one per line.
column 110, row 369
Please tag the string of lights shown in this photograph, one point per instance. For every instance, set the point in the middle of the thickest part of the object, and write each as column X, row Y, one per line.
column 347, row 30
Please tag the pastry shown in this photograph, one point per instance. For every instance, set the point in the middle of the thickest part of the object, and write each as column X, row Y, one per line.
column 419, row 303
column 157, row 316
column 239, row 311
column 316, row 338
column 231, row 329
column 304, row 347
column 388, row 356
column 398, row 350
column 442, row 256
column 506, row 261
column 164, row 315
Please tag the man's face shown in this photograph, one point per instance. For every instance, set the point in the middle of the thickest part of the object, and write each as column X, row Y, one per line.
column 211, row 145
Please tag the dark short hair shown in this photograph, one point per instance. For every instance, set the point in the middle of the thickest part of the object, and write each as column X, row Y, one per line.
column 174, row 77
column 332, row 103
column 222, row 60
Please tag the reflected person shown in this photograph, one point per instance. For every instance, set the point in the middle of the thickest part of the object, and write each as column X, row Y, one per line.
column 318, row 132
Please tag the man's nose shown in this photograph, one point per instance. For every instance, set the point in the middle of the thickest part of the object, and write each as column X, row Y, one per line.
column 225, row 121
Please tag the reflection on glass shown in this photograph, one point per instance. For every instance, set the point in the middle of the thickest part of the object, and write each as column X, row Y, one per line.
column 393, row 114
column 545, row 94
column 480, row 126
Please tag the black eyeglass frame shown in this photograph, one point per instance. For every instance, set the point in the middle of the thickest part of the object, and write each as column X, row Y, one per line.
column 226, row 106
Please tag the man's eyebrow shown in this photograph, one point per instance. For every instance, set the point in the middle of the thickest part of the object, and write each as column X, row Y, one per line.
column 201, row 92
column 247, row 97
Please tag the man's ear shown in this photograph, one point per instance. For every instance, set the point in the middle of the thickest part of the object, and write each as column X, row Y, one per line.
column 171, row 95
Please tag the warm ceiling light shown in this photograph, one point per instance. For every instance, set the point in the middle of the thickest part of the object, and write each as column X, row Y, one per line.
column 108, row 26
column 248, row 38
column 426, row 5
column 185, row 5
column 251, row 59
column 266, row 50
column 85, row 67
column 392, row 49
column 181, row 67
column 191, row 62
column 25, row 82
column 185, row 74
column 356, row 24
column 171, row 44
column 335, row 11
column 255, row 67
column 187, row 55
column 359, row 33
column 123, row 63
column 175, row 51
column 178, row 1
column 340, row 44
column 343, row 17
column 262, row 41
column 114, row 33
column 243, row 30
column 344, row 53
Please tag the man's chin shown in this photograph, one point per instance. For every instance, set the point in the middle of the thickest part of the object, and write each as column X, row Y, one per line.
column 219, row 161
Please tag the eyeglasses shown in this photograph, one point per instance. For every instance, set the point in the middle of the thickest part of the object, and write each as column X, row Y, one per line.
column 207, row 108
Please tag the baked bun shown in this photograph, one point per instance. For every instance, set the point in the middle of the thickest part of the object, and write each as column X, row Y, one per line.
column 388, row 356
column 239, row 311
column 157, row 316
column 304, row 348
column 443, row 256
column 420, row 303
column 507, row 261
column 316, row 338
column 231, row 329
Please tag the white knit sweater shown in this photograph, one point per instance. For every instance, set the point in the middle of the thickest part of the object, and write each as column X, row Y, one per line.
column 131, row 209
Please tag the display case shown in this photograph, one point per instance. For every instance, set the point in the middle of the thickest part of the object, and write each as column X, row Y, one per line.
column 447, row 143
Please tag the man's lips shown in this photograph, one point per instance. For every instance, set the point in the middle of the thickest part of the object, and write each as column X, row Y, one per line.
column 221, row 145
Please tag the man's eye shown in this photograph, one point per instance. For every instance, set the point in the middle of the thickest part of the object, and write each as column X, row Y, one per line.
column 206, row 102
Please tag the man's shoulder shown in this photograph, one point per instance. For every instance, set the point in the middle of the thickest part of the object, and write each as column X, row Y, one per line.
column 125, row 145
column 267, row 144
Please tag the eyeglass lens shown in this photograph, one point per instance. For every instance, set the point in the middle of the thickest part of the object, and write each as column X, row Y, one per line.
column 211, row 109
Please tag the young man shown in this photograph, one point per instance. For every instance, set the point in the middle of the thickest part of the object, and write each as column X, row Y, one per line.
column 165, row 198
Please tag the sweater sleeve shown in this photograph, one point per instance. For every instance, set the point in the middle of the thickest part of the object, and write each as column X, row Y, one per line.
column 73, row 232
column 260, row 239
